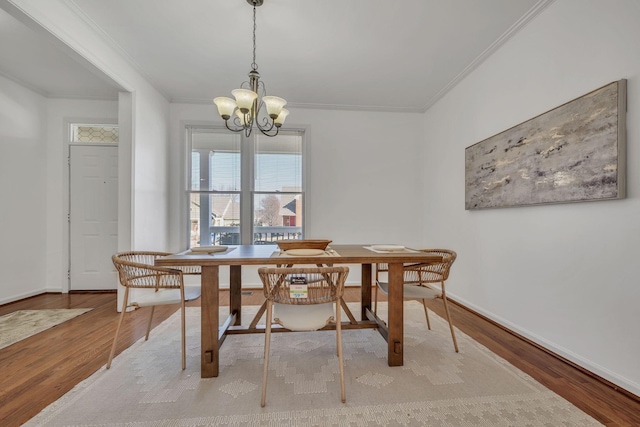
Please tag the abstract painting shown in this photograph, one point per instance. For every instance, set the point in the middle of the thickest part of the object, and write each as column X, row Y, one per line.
column 573, row 153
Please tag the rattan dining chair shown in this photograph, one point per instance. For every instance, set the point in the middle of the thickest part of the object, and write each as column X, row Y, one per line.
column 155, row 286
column 418, row 283
column 311, row 306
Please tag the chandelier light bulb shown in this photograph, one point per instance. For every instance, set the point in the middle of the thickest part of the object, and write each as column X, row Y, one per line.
column 244, row 99
column 279, row 121
column 225, row 106
column 274, row 105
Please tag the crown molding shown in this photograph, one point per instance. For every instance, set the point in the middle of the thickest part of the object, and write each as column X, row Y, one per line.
column 381, row 109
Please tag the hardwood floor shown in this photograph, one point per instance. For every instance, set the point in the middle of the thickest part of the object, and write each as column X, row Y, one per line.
column 38, row 370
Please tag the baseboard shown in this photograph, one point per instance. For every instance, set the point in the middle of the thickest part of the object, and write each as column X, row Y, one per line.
column 596, row 372
column 101, row 291
column 22, row 296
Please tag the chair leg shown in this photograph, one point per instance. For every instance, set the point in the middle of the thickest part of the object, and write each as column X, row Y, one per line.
column 446, row 309
column 340, row 355
column 115, row 338
column 426, row 313
column 337, row 337
column 184, row 333
column 267, row 343
column 146, row 338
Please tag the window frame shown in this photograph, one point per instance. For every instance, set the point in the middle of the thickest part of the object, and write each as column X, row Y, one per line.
column 247, row 185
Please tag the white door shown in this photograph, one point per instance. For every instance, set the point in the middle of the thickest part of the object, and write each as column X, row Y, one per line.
column 93, row 219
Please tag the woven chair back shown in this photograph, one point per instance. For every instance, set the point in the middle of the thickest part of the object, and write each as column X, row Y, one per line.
column 323, row 284
column 431, row 273
column 137, row 270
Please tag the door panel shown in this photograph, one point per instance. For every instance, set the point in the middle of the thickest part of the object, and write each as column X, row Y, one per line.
column 93, row 227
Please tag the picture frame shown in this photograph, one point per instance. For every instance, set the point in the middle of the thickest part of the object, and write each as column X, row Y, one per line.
column 573, row 153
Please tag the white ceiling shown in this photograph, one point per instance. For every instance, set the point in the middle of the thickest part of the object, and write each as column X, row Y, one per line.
column 382, row 55
column 37, row 61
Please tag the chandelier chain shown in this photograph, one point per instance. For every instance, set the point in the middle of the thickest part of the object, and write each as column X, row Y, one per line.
column 254, row 66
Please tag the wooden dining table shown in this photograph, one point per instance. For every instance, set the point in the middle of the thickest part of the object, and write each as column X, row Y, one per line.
column 213, row 333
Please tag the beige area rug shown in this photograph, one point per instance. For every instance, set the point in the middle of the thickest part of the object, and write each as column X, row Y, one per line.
column 436, row 386
column 22, row 324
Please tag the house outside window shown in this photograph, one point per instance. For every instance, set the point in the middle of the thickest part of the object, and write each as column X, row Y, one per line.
column 244, row 190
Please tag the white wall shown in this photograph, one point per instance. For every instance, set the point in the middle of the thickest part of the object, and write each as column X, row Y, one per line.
column 565, row 275
column 151, row 175
column 363, row 176
column 22, row 192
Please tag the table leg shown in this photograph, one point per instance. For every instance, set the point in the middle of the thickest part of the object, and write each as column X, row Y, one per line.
column 396, row 315
column 235, row 292
column 365, row 294
column 209, row 353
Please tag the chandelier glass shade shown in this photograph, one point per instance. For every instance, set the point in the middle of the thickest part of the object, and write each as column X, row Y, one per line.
column 251, row 100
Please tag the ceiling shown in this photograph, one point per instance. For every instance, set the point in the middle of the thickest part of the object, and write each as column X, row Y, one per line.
column 34, row 59
column 376, row 55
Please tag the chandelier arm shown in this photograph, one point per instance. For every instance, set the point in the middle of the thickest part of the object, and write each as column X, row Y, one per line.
column 262, row 88
column 226, row 123
column 249, row 118
column 266, row 132
column 267, row 124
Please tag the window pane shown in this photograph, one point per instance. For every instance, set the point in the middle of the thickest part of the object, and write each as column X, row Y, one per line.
column 277, row 217
column 278, row 163
column 215, row 161
column 215, row 219
column 94, row 133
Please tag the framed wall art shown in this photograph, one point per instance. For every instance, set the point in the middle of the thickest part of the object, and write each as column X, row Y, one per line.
column 573, row 153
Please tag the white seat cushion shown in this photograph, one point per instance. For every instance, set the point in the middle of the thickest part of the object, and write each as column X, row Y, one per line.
column 149, row 297
column 413, row 291
column 192, row 292
column 303, row 317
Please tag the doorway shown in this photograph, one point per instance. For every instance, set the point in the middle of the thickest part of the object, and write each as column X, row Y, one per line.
column 93, row 216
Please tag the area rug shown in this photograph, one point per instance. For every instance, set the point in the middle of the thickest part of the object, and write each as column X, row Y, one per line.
column 436, row 386
column 22, row 324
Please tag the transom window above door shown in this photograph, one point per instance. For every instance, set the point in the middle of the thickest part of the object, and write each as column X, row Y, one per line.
column 244, row 190
column 94, row 133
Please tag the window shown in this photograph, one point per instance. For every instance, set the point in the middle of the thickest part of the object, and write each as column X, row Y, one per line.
column 244, row 190
column 94, row 133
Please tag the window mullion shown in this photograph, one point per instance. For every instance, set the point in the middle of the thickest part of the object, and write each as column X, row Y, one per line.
column 205, row 206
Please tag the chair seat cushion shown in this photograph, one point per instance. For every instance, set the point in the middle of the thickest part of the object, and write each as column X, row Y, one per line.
column 413, row 291
column 149, row 297
column 192, row 292
column 303, row 317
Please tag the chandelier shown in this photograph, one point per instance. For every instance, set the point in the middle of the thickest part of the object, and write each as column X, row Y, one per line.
column 251, row 100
